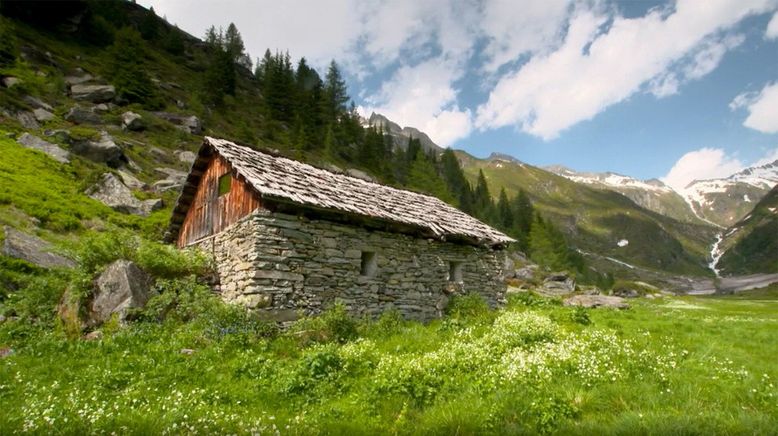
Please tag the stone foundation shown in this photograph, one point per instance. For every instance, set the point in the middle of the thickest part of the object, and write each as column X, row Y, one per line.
column 284, row 266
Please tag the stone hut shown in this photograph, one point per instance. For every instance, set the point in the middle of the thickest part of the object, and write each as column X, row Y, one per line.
column 289, row 238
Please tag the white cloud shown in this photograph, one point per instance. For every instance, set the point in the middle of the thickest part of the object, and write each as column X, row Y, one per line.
column 605, row 59
column 705, row 163
column 772, row 28
column 709, row 163
column 512, row 31
column 710, row 55
column 422, row 96
column 762, row 108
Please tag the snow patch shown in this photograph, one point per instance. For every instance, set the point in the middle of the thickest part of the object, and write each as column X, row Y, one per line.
column 620, row 262
column 623, row 243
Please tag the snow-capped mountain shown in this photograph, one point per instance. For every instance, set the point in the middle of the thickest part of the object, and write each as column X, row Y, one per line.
column 651, row 194
column 725, row 201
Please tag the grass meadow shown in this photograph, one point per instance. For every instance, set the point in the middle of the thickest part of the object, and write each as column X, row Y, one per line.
column 673, row 365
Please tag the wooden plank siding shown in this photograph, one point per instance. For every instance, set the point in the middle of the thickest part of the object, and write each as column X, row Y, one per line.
column 210, row 213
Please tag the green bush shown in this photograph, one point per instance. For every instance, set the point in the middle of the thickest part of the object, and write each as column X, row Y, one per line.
column 333, row 325
column 97, row 250
column 580, row 315
column 126, row 69
column 468, row 306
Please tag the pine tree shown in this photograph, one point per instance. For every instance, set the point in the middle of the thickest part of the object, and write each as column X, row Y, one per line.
column 504, row 211
column 424, row 177
column 233, row 44
column 219, row 76
column 127, row 71
column 523, row 215
column 483, row 207
column 335, row 94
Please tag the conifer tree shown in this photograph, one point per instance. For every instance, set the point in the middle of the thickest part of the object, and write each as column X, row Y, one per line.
column 504, row 211
column 127, row 71
column 335, row 93
column 233, row 44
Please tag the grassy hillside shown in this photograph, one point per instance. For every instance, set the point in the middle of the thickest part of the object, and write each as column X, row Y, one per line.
column 751, row 245
column 664, row 367
column 596, row 220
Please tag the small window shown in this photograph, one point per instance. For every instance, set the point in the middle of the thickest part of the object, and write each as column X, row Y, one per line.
column 455, row 272
column 225, row 182
column 368, row 267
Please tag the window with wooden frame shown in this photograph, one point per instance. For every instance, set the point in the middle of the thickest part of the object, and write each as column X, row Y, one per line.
column 225, row 183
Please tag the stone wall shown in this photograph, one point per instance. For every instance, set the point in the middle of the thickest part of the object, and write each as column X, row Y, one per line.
column 284, row 265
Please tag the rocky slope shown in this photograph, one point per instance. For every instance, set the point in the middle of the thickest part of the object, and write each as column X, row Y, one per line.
column 651, row 194
column 725, row 201
column 401, row 135
column 751, row 245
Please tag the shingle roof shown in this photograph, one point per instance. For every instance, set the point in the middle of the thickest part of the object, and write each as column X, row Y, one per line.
column 282, row 179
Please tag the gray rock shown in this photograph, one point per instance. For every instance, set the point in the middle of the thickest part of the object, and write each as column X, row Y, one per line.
column 130, row 180
column 626, row 293
column 37, row 103
column 27, row 120
column 101, row 108
column 122, row 286
column 557, row 285
column 77, row 80
column 190, row 124
column 80, row 115
column 10, row 82
column 6, row 352
column 353, row 172
column 31, row 141
column 132, row 121
column 175, row 179
column 187, row 351
column 93, row 93
column 114, row 194
column 596, row 301
column 32, row 249
column 186, row 156
column 42, row 115
column 2, row 319
column 96, row 335
column 526, row 272
column 103, row 150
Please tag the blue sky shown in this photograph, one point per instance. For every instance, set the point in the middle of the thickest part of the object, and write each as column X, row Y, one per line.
column 672, row 90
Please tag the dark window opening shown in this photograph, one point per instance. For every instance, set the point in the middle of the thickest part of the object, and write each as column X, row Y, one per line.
column 455, row 272
column 225, row 183
column 368, row 267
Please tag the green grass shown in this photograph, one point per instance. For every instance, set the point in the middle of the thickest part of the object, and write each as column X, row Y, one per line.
column 667, row 366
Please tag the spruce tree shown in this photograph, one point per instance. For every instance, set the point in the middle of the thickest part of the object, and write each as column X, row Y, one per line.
column 504, row 212
column 335, row 93
column 126, row 68
column 233, row 44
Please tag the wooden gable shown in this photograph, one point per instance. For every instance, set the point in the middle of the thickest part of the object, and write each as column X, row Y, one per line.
column 221, row 199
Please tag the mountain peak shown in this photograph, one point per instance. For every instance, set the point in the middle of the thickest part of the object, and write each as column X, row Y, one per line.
column 503, row 157
column 400, row 135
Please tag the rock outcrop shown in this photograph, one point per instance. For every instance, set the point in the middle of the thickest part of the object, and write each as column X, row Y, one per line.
column 103, row 150
column 93, row 93
column 32, row 141
column 190, row 124
column 32, row 249
column 132, row 121
column 114, row 194
column 42, row 115
column 28, row 120
column 122, row 286
column 175, row 180
column 557, row 285
column 81, row 115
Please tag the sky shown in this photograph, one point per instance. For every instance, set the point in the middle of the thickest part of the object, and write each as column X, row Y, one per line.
column 651, row 89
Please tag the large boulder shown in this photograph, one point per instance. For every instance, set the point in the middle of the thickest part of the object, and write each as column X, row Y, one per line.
column 175, row 179
column 78, row 80
column 557, row 285
column 32, row 249
column 114, row 194
column 102, row 150
column 32, row 141
column 190, row 124
column 596, row 301
column 42, row 115
column 122, row 286
column 10, row 82
column 185, row 156
column 93, row 93
column 81, row 115
column 132, row 121
column 130, row 180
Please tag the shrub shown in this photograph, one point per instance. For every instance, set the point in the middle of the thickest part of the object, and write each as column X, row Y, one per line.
column 580, row 315
column 126, row 69
column 163, row 261
column 467, row 307
column 531, row 299
column 333, row 325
